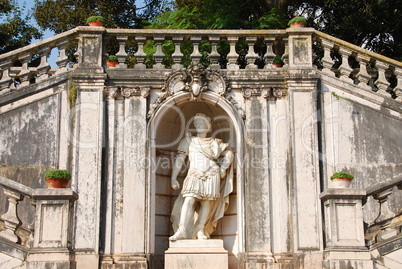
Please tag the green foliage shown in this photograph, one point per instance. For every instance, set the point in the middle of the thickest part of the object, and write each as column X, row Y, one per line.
column 96, row 18
column 227, row 14
column 277, row 59
column 72, row 95
column 342, row 175
column 57, row 174
column 372, row 24
column 297, row 19
column 15, row 30
column 63, row 15
column 112, row 58
column 273, row 19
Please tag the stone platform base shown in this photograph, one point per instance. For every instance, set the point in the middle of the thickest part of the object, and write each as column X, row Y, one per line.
column 196, row 254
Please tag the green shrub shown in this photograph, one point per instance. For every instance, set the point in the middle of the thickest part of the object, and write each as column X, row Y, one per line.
column 57, row 174
column 298, row 19
column 112, row 58
column 96, row 18
column 278, row 59
column 342, row 175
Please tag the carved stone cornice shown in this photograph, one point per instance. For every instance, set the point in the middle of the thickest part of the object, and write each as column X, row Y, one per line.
column 126, row 92
column 265, row 92
column 111, row 92
column 196, row 79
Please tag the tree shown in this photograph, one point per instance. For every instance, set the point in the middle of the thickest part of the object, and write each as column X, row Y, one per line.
column 63, row 15
column 227, row 14
column 15, row 31
column 372, row 24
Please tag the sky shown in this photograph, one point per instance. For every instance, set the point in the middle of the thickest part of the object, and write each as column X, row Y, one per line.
column 29, row 4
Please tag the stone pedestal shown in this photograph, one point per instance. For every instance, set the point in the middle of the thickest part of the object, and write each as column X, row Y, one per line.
column 196, row 254
column 53, row 229
column 345, row 247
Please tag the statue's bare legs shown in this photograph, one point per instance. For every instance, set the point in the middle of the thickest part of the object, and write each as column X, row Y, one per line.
column 203, row 215
column 187, row 212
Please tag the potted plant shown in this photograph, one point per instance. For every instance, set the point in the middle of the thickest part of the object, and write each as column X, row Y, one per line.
column 95, row 21
column 112, row 61
column 297, row 22
column 57, row 178
column 278, row 61
column 341, row 180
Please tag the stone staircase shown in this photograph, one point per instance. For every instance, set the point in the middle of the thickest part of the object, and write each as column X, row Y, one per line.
column 353, row 73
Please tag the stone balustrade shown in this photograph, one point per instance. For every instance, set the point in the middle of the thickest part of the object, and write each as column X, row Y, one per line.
column 352, row 64
column 29, row 64
column 227, row 49
column 243, row 47
column 386, row 229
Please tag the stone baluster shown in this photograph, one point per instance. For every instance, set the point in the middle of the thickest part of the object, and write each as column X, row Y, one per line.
column 345, row 69
column 62, row 59
column 24, row 75
column 122, row 54
column 196, row 55
column 177, row 56
column 10, row 218
column 6, row 80
column 327, row 61
column 158, row 56
column 232, row 56
column 251, row 55
column 398, row 88
column 44, row 66
column 269, row 55
column 285, row 56
column 385, row 216
column 140, row 55
column 214, row 56
column 363, row 76
column 382, row 83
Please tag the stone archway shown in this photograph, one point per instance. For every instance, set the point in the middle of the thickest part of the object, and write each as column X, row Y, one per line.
column 166, row 128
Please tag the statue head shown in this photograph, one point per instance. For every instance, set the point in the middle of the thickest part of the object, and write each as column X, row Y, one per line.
column 201, row 121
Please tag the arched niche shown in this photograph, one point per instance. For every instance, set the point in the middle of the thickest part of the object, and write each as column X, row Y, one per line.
column 166, row 128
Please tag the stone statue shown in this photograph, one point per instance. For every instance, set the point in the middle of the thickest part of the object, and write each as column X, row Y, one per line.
column 206, row 188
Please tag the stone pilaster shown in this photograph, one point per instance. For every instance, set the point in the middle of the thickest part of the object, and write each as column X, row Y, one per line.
column 280, row 171
column 304, row 169
column 125, row 221
column 135, row 169
column 258, row 211
column 89, row 78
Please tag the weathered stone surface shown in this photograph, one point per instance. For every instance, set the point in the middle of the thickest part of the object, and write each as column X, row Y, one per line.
column 290, row 128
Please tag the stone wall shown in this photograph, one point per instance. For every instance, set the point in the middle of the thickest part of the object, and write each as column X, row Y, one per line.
column 290, row 128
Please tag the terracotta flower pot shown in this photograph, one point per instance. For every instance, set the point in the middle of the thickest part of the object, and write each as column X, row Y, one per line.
column 297, row 24
column 277, row 64
column 340, row 182
column 111, row 64
column 55, row 183
column 95, row 23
